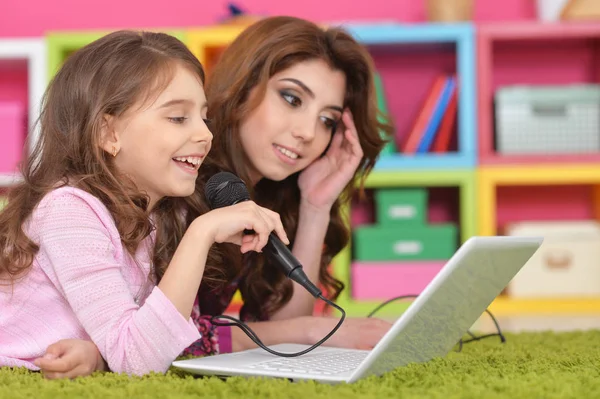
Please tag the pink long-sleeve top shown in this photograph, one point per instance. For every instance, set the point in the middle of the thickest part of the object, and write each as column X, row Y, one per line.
column 84, row 284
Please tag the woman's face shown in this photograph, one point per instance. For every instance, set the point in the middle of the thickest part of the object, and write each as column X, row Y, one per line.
column 294, row 123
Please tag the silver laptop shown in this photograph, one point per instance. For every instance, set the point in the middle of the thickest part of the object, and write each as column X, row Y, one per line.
column 430, row 327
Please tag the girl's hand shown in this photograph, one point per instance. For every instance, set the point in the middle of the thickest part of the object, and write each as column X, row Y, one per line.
column 322, row 182
column 228, row 224
column 70, row 358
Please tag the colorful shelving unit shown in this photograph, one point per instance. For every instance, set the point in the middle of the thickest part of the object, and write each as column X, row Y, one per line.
column 555, row 187
column 408, row 58
column 472, row 185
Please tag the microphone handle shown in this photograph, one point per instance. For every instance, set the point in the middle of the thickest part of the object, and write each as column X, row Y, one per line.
column 284, row 258
column 280, row 253
column 289, row 264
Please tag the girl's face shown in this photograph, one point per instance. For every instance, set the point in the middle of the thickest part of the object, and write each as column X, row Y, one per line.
column 294, row 123
column 162, row 145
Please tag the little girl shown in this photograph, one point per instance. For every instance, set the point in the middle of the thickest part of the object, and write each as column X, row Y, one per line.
column 83, row 236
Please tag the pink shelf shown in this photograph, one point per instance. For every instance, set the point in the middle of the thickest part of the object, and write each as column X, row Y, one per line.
column 386, row 280
column 13, row 112
column 542, row 203
column 532, row 54
column 499, row 159
column 12, row 130
column 13, row 80
column 408, row 71
column 539, row 30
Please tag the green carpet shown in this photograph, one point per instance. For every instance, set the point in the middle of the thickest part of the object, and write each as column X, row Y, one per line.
column 532, row 365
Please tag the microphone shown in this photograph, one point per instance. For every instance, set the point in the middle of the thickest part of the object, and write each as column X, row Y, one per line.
column 226, row 189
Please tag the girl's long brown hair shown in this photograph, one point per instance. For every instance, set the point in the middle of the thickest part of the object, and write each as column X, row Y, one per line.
column 108, row 76
column 262, row 50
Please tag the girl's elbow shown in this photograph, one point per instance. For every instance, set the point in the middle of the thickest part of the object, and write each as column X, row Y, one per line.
column 138, row 369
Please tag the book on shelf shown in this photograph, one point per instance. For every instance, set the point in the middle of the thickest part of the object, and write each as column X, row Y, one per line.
column 432, row 128
column 390, row 147
column 442, row 139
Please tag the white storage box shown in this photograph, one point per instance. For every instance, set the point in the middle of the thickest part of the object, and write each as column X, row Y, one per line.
column 549, row 10
column 548, row 119
column 567, row 264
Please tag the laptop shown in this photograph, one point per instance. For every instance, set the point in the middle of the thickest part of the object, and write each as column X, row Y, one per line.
column 430, row 327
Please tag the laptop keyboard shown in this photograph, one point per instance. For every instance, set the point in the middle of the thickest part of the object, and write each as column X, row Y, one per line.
column 327, row 363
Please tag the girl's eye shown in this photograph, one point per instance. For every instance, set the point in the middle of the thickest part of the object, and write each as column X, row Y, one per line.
column 178, row 119
column 293, row 100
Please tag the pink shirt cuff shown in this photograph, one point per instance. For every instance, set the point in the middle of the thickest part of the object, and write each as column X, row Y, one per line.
column 177, row 332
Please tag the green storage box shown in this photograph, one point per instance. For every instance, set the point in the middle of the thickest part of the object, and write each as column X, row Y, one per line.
column 392, row 243
column 401, row 206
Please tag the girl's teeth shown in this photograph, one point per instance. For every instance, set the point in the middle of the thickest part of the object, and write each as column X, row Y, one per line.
column 192, row 163
column 287, row 153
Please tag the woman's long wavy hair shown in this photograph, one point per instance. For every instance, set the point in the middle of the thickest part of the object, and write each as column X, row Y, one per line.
column 261, row 51
column 107, row 77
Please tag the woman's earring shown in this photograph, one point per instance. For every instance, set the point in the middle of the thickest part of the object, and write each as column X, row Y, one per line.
column 114, row 151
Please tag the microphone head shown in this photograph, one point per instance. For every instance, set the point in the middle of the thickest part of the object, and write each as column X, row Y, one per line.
column 225, row 189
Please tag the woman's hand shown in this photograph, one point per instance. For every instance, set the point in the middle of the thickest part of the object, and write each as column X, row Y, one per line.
column 322, row 182
column 354, row 333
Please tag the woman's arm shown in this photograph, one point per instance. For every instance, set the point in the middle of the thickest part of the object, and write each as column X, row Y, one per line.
column 357, row 333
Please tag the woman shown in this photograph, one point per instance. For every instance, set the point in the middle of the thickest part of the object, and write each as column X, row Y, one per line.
column 294, row 114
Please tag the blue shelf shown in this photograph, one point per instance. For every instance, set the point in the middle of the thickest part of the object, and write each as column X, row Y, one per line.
column 444, row 161
column 392, row 33
column 463, row 36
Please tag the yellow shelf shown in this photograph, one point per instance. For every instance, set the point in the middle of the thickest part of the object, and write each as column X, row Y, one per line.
column 490, row 177
column 208, row 42
column 559, row 306
column 202, row 41
column 544, row 174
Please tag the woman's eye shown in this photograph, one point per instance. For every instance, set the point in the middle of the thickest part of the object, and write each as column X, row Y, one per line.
column 329, row 123
column 292, row 99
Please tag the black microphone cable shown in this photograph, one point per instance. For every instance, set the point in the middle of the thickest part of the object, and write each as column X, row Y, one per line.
column 462, row 341
column 226, row 189
column 252, row 335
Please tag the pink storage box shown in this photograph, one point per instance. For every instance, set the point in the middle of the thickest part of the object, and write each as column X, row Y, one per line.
column 385, row 280
column 12, row 135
